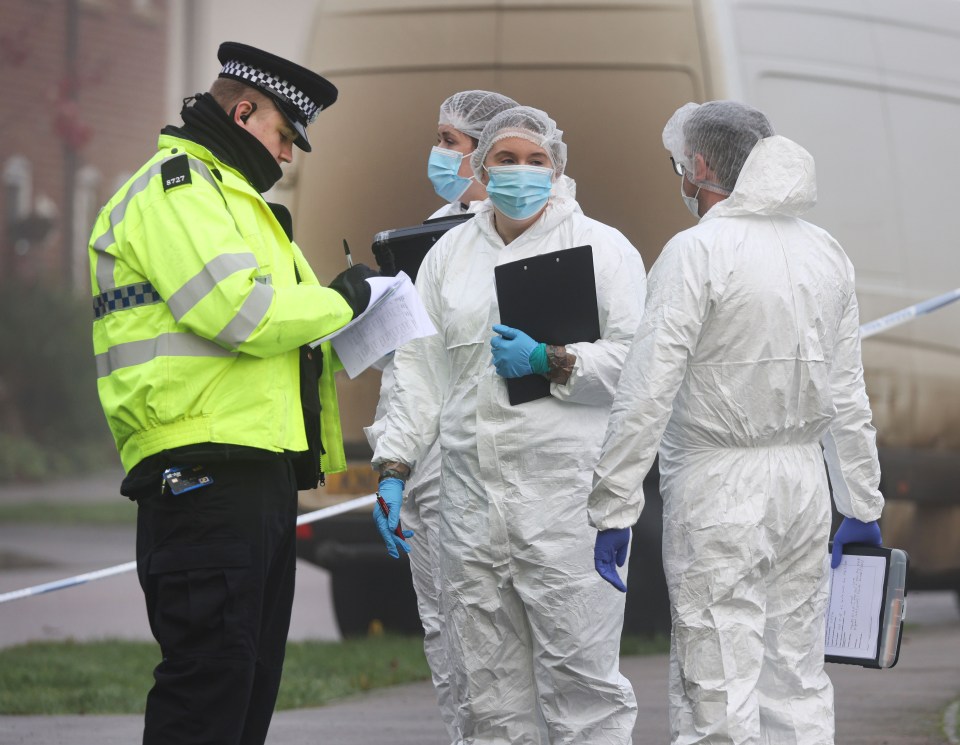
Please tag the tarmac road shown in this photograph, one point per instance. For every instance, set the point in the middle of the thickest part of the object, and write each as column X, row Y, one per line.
column 901, row 706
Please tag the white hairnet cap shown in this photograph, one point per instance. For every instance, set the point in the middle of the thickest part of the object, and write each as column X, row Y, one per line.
column 723, row 132
column 469, row 111
column 529, row 124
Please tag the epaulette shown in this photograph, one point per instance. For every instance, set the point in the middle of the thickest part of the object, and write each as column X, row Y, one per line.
column 175, row 172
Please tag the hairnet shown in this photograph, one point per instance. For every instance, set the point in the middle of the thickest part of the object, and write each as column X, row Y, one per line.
column 469, row 111
column 529, row 124
column 724, row 132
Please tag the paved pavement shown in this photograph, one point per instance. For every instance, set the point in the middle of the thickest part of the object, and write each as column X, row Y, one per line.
column 901, row 706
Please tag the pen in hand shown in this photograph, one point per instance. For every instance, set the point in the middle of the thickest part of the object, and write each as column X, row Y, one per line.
column 346, row 250
column 386, row 513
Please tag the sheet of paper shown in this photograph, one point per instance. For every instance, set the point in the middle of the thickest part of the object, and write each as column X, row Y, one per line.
column 853, row 611
column 394, row 316
column 380, row 289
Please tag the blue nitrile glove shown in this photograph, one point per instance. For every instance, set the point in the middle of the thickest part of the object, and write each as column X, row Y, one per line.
column 611, row 546
column 515, row 354
column 389, row 526
column 852, row 530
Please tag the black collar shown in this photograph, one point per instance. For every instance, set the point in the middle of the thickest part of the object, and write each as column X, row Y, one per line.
column 208, row 125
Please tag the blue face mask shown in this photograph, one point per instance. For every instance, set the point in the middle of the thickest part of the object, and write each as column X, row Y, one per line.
column 519, row 192
column 443, row 169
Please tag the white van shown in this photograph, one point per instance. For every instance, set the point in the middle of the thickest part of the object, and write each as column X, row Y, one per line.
column 870, row 87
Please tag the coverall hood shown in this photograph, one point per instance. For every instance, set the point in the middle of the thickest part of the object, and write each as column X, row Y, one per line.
column 778, row 178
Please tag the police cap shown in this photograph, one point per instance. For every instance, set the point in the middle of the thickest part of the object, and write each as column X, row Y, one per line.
column 299, row 93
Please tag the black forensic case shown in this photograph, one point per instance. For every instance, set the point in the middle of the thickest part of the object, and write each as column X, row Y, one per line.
column 403, row 249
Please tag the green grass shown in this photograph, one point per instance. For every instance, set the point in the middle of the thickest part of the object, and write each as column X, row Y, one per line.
column 109, row 677
column 113, row 677
column 644, row 645
column 315, row 673
column 117, row 511
column 951, row 721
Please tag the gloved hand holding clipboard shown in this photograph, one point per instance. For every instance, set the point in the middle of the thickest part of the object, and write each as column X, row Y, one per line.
column 552, row 298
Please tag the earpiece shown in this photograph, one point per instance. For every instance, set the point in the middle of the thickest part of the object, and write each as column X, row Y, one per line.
column 244, row 117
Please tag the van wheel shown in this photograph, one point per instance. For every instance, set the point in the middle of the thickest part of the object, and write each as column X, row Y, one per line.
column 381, row 592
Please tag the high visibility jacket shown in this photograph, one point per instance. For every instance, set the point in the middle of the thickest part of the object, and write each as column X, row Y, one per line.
column 199, row 314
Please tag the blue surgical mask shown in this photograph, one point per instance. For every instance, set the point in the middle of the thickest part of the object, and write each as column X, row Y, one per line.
column 519, row 192
column 443, row 169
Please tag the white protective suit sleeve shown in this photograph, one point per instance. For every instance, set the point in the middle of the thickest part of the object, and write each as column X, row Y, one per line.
column 412, row 420
column 386, row 363
column 597, row 369
column 677, row 299
column 374, row 430
column 452, row 209
column 850, row 444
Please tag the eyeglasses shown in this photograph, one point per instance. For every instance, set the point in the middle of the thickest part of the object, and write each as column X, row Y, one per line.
column 678, row 168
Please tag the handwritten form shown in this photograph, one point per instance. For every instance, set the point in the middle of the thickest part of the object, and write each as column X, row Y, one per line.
column 394, row 316
column 853, row 611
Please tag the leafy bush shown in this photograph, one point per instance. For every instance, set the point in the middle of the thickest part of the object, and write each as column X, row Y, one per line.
column 51, row 422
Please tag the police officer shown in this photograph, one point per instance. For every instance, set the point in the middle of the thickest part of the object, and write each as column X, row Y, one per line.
column 203, row 308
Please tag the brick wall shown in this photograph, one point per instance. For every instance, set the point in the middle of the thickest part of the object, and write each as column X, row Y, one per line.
column 98, row 115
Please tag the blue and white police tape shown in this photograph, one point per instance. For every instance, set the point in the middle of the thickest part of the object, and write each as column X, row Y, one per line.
column 80, row 579
column 866, row 330
column 902, row 316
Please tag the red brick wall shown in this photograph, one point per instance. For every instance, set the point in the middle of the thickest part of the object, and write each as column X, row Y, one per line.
column 118, row 82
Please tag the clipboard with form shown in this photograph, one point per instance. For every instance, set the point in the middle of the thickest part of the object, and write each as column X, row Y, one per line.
column 552, row 298
column 866, row 607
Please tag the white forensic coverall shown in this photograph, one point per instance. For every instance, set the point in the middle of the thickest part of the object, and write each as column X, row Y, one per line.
column 747, row 359
column 421, row 515
column 533, row 630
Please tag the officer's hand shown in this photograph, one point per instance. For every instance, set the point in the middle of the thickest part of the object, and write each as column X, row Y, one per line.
column 353, row 286
column 391, row 490
column 611, row 549
column 852, row 530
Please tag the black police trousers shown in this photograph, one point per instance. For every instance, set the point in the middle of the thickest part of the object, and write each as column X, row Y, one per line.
column 217, row 568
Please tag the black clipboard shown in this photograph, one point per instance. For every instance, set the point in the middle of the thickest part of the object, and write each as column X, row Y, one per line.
column 892, row 608
column 553, row 298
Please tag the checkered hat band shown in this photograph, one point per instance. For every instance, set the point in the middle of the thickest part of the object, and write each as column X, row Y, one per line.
column 121, row 298
column 260, row 79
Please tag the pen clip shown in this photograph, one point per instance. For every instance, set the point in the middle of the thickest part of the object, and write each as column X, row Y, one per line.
column 346, row 251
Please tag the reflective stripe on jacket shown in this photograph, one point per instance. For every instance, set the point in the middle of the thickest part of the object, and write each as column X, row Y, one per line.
column 199, row 315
